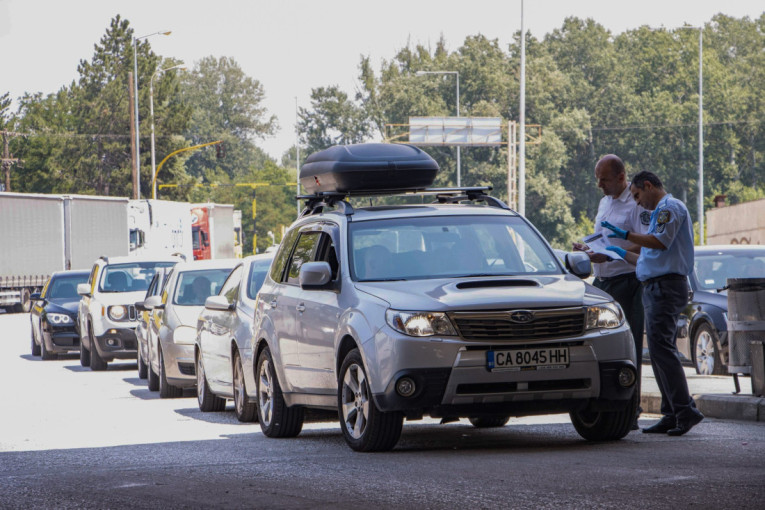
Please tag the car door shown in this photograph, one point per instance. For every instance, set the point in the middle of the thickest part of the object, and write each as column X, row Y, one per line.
column 217, row 333
column 317, row 315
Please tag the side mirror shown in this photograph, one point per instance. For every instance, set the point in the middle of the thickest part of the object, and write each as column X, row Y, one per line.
column 219, row 303
column 153, row 303
column 35, row 296
column 83, row 289
column 314, row 275
column 578, row 262
column 140, row 307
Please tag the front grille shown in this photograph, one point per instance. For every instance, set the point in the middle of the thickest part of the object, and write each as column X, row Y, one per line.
column 510, row 387
column 498, row 326
column 131, row 312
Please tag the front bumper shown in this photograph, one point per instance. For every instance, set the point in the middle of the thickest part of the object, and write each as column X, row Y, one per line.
column 179, row 364
column 117, row 343
column 61, row 339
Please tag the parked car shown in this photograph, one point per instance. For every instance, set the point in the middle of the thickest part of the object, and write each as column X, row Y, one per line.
column 173, row 323
column 703, row 331
column 142, row 330
column 54, row 315
column 450, row 309
column 106, row 314
column 224, row 340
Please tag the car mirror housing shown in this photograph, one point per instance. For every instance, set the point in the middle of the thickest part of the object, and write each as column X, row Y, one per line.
column 83, row 289
column 140, row 307
column 579, row 264
column 315, row 275
column 219, row 303
column 153, row 302
column 35, row 296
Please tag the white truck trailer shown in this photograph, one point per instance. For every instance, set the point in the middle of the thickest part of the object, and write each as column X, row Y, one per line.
column 160, row 228
column 41, row 234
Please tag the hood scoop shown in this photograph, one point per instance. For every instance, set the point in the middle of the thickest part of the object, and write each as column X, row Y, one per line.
column 484, row 284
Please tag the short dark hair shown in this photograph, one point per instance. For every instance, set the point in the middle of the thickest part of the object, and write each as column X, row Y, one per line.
column 640, row 178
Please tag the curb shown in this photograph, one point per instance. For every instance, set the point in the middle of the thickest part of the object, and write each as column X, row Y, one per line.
column 724, row 406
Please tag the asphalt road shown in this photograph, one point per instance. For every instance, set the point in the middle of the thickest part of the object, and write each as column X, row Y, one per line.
column 72, row 438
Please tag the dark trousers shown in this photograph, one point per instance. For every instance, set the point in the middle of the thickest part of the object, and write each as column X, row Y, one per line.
column 663, row 301
column 628, row 292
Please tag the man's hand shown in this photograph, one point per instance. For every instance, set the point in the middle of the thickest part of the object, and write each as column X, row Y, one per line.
column 617, row 232
column 616, row 249
column 580, row 247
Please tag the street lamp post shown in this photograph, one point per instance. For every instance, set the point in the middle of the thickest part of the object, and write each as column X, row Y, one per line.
column 135, row 91
column 151, row 112
column 457, row 74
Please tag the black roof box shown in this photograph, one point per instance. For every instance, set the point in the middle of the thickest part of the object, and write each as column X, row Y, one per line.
column 368, row 166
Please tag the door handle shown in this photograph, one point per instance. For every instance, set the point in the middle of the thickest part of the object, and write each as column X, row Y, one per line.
column 301, row 308
column 272, row 304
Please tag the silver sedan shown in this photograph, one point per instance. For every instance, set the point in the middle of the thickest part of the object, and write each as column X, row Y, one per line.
column 223, row 342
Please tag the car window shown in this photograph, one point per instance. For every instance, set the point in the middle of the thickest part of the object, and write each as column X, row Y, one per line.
column 447, row 247
column 713, row 270
column 192, row 288
column 280, row 261
column 258, row 271
column 303, row 253
column 327, row 253
column 230, row 288
column 65, row 287
column 130, row 277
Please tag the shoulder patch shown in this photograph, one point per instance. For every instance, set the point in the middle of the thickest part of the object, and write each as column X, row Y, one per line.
column 645, row 218
column 663, row 217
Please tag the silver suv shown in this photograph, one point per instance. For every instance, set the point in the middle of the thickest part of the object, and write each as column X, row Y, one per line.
column 449, row 309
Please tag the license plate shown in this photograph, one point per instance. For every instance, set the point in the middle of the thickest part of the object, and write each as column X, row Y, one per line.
column 547, row 358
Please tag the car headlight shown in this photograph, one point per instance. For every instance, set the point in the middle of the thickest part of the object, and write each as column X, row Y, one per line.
column 117, row 312
column 184, row 335
column 420, row 323
column 608, row 316
column 59, row 318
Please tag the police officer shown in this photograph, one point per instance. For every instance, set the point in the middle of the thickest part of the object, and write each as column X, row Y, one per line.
column 665, row 260
column 615, row 276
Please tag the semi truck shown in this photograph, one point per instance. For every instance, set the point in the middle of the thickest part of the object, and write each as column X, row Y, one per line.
column 160, row 228
column 212, row 231
column 41, row 234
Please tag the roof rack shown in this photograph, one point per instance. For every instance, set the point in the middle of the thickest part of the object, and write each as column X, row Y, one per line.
column 315, row 204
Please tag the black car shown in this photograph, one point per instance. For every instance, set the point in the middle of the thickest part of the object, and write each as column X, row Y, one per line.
column 54, row 315
column 703, row 332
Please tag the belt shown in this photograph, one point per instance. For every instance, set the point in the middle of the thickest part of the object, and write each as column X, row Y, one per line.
column 671, row 276
column 617, row 277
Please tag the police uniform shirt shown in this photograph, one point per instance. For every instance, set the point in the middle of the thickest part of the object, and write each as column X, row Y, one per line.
column 624, row 213
column 671, row 225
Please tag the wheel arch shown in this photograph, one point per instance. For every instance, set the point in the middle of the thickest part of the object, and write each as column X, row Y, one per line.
column 346, row 345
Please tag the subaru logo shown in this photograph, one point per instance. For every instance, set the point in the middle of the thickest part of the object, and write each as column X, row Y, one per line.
column 522, row 316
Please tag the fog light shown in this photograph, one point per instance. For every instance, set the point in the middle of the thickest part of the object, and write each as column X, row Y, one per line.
column 112, row 331
column 111, row 342
column 626, row 377
column 405, row 387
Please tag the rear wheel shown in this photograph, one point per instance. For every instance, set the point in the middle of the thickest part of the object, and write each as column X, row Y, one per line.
column 366, row 428
column 97, row 363
column 485, row 422
column 276, row 419
column 143, row 369
column 26, row 302
column 605, row 425
column 207, row 400
column 166, row 390
column 706, row 351
column 245, row 411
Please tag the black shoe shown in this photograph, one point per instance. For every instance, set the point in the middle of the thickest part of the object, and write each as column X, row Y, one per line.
column 685, row 425
column 665, row 425
column 635, row 426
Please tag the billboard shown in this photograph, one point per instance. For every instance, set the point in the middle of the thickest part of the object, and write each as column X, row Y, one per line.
column 455, row 130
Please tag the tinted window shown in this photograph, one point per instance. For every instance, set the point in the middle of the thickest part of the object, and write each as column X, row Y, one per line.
column 303, row 253
column 258, row 271
column 277, row 269
column 65, row 287
column 130, row 277
column 230, row 288
column 713, row 270
column 194, row 287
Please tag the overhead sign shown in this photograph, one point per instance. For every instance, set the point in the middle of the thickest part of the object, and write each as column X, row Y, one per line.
column 455, row 130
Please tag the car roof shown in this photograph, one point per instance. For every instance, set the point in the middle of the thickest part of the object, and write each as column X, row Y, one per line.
column 72, row 272
column 198, row 265
column 129, row 258
column 259, row 256
column 419, row 210
column 729, row 248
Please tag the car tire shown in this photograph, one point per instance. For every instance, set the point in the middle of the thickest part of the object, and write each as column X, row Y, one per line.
column 45, row 354
column 366, row 428
column 84, row 355
column 166, row 390
column 275, row 418
column 487, row 422
column 26, row 302
column 705, row 351
column 208, row 401
column 153, row 378
column 245, row 411
column 143, row 368
column 605, row 425
column 97, row 363
column 35, row 346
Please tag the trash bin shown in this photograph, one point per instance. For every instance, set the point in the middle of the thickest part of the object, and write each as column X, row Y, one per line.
column 746, row 325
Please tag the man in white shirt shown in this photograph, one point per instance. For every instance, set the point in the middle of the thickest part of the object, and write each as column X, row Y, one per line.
column 617, row 277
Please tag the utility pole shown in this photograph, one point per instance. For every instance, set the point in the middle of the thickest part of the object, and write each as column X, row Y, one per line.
column 7, row 159
column 133, row 147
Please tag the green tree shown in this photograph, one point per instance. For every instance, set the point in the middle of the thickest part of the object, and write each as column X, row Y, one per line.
column 332, row 119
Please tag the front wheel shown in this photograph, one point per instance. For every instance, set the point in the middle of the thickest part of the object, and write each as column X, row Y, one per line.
column 366, row 428
column 208, row 401
column 276, row 419
column 45, row 354
column 35, row 345
column 97, row 363
column 143, row 368
column 245, row 411
column 84, row 355
column 605, row 425
column 706, row 352
column 166, row 390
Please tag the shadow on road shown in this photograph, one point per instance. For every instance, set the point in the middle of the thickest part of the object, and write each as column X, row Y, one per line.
column 29, row 357
column 227, row 416
column 145, row 394
column 135, row 381
column 77, row 368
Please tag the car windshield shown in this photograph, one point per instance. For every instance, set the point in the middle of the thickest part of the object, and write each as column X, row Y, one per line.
column 130, row 277
column 258, row 271
column 447, row 247
column 65, row 287
column 713, row 270
column 194, row 287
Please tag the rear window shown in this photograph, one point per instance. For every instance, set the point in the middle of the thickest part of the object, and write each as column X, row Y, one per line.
column 194, row 287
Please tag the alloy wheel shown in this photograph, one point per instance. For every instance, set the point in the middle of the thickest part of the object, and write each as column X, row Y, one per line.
column 266, row 393
column 355, row 401
column 705, row 353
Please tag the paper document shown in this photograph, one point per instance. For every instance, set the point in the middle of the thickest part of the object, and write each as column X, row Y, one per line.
column 598, row 243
